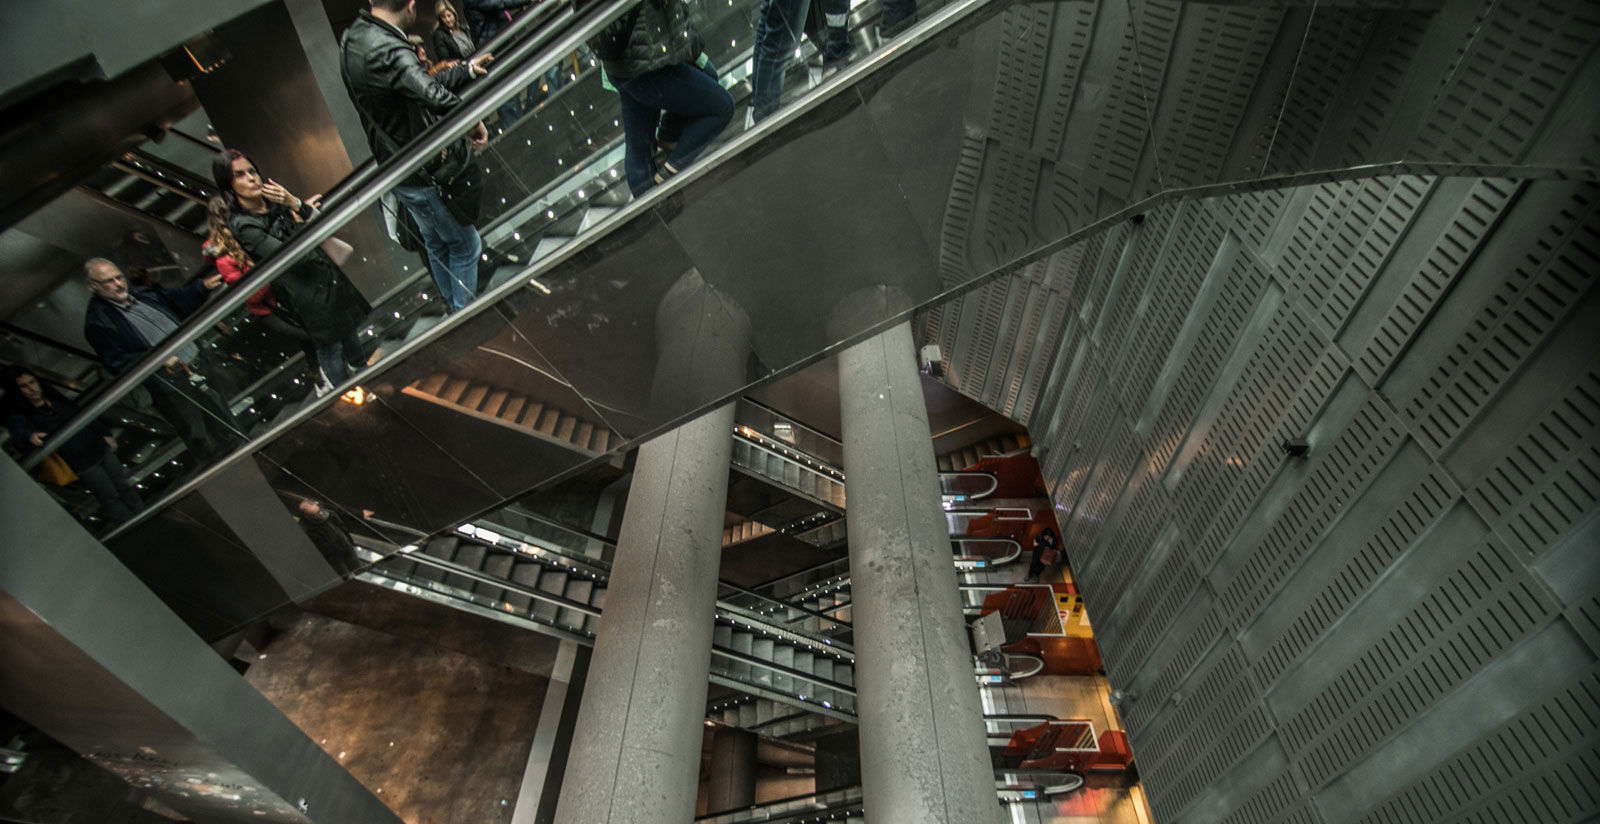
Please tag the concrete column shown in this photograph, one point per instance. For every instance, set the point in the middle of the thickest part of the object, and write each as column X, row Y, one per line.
column 733, row 770
column 93, row 658
column 924, row 759
column 636, row 748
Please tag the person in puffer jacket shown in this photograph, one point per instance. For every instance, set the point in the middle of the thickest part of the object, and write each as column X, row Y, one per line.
column 670, row 96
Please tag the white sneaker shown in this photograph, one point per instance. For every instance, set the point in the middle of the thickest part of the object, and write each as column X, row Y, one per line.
column 324, row 386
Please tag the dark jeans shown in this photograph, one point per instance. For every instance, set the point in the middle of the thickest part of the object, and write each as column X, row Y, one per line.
column 201, row 417
column 335, row 357
column 682, row 103
column 290, row 332
column 107, row 480
column 778, row 29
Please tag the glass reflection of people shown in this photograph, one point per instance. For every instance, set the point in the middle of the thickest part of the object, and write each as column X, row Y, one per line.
column 39, row 410
column 262, row 216
column 122, row 324
column 452, row 39
column 1045, row 548
column 328, row 532
column 222, row 250
column 778, row 27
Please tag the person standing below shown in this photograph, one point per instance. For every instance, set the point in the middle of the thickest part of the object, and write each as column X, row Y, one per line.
column 122, row 324
column 91, row 454
column 397, row 100
column 262, row 215
column 1045, row 548
column 654, row 58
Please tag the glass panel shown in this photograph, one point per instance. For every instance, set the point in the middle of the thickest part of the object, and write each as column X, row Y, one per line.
column 680, row 301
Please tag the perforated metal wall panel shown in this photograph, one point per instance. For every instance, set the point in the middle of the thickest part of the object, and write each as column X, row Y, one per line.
column 1401, row 626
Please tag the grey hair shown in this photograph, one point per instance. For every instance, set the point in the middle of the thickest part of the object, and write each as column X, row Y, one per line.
column 88, row 265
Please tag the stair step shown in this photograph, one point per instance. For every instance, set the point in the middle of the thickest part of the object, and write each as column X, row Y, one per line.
column 530, row 415
column 433, row 383
column 453, row 389
column 584, row 435
column 473, row 397
column 566, row 428
column 492, row 404
column 499, row 565
column 511, row 412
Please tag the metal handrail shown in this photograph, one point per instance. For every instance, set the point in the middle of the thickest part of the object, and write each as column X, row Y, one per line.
column 349, row 200
column 500, row 583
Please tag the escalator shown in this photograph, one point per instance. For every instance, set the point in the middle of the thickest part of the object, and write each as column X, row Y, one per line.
column 864, row 199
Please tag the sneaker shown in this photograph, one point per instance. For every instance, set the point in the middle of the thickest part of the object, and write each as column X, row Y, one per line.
column 1031, row 579
column 323, row 385
column 664, row 172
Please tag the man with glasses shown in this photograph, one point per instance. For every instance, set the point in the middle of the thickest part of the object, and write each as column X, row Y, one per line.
column 123, row 323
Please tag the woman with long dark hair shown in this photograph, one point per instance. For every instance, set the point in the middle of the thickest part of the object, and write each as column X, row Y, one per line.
column 222, row 250
column 262, row 216
column 37, row 411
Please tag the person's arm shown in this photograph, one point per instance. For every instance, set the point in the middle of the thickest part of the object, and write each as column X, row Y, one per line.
column 230, row 269
column 399, row 70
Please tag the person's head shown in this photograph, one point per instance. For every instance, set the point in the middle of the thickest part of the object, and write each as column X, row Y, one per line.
column 106, row 280
column 219, row 238
column 237, row 176
column 26, row 383
column 445, row 15
column 401, row 13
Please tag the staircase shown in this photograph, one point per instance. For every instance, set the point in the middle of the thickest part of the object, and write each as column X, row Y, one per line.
column 968, row 456
column 497, row 406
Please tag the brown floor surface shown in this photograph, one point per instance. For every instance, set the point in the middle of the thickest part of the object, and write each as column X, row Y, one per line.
column 440, row 736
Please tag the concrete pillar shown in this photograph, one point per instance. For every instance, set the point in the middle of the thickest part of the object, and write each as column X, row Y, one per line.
column 93, row 658
column 636, row 749
column 924, row 759
column 733, row 770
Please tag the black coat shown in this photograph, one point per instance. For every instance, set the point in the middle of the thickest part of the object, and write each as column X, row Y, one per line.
column 445, row 46
column 314, row 292
column 115, row 340
column 393, row 93
column 654, row 35
column 80, row 451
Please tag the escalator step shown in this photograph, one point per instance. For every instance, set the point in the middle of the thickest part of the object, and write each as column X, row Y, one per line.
column 822, row 667
column 471, row 554
column 530, row 415
column 512, row 409
column 598, row 597
column 566, row 428
column 443, row 547
column 453, row 388
column 578, row 589
column 473, row 397
column 783, row 656
column 499, row 565
column 601, row 441
column 844, row 673
column 584, row 435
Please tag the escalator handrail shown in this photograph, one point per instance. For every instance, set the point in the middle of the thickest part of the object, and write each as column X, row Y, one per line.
column 346, row 203
column 746, row 658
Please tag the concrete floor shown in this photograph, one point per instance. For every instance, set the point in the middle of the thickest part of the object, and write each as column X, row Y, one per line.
column 442, row 737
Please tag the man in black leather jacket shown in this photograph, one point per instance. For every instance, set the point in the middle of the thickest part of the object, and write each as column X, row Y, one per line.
column 397, row 100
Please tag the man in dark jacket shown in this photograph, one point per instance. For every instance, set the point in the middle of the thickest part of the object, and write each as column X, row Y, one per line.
column 397, row 100
column 122, row 324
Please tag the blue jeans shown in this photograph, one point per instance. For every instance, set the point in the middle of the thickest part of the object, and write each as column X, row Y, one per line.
column 335, row 358
column 696, row 108
column 778, row 28
column 452, row 248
